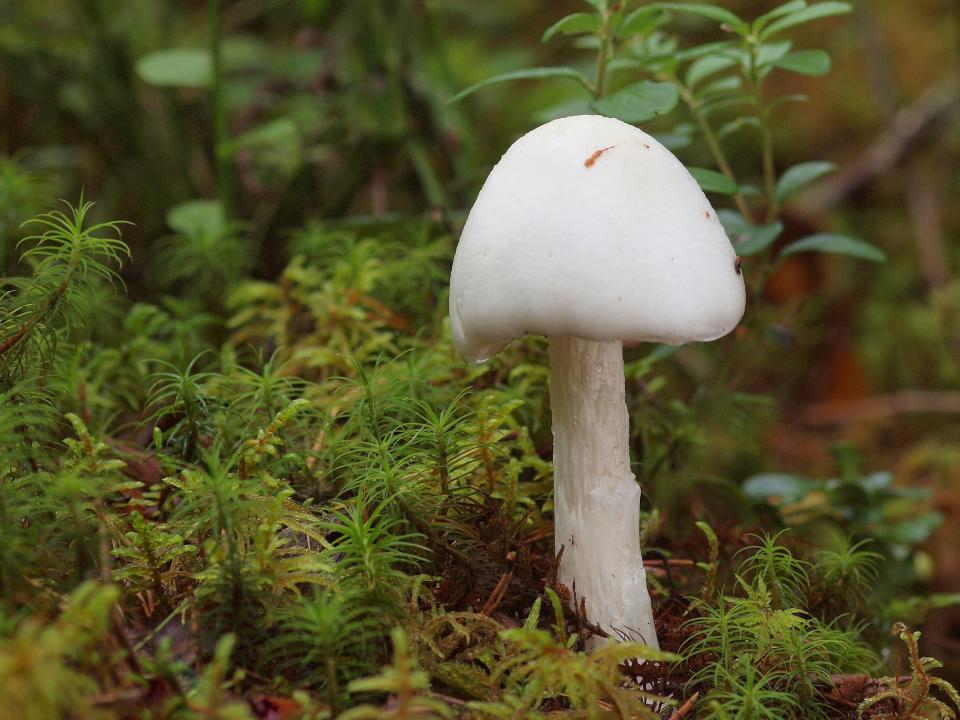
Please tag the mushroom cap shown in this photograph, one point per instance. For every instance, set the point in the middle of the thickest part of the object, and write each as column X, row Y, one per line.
column 589, row 227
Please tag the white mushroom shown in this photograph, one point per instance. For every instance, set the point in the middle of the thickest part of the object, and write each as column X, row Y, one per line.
column 590, row 232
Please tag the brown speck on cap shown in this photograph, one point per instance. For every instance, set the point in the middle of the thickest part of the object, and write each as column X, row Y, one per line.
column 593, row 158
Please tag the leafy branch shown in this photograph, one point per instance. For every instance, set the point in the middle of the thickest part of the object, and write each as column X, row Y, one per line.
column 710, row 79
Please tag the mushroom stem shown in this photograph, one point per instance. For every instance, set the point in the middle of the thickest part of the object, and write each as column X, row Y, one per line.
column 596, row 497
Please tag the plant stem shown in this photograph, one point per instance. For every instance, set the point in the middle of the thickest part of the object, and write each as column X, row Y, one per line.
column 769, row 170
column 603, row 57
column 49, row 306
column 755, row 83
column 716, row 150
column 5, row 584
column 220, row 152
column 333, row 687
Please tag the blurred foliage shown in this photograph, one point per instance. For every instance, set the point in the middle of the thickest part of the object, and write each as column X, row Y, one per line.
column 243, row 472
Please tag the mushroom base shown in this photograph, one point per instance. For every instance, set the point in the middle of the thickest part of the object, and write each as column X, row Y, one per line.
column 596, row 498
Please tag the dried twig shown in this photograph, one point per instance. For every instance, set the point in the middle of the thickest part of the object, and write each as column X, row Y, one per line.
column 879, row 407
column 889, row 148
column 496, row 596
column 683, row 710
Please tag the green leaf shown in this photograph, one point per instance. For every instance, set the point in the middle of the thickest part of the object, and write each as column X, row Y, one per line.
column 798, row 176
column 639, row 102
column 785, row 9
column 571, row 25
column 176, row 67
column 713, row 182
column 586, row 42
column 784, row 99
column 839, row 244
column 758, row 238
column 734, row 224
column 557, row 614
column 641, row 21
column 197, row 218
column 915, row 530
column 277, row 142
column 720, row 88
column 942, row 600
column 661, row 352
column 779, row 488
column 807, row 14
column 533, row 617
column 737, row 124
column 724, row 101
column 709, row 11
column 751, row 190
column 526, row 74
column 624, row 63
column 681, row 136
column 769, row 53
column 281, row 131
column 707, row 66
column 875, row 483
column 806, row 62
column 706, row 49
column 245, row 52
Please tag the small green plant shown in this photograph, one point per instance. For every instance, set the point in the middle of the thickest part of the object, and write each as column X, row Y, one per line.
column 865, row 514
column 45, row 667
column 759, row 653
column 771, row 565
column 408, row 686
column 154, row 559
column 913, row 700
column 210, row 698
column 67, row 259
column 205, row 255
column 538, row 668
column 23, row 193
column 746, row 692
column 331, row 638
column 711, row 566
column 844, row 578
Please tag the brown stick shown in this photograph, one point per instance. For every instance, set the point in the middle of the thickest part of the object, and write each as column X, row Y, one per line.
column 449, row 699
column 496, row 597
column 889, row 148
column 840, row 412
column 682, row 711
column 316, row 448
column 922, row 197
column 926, row 214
